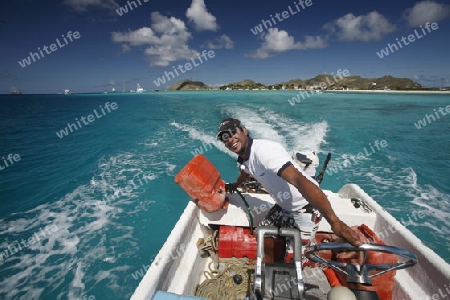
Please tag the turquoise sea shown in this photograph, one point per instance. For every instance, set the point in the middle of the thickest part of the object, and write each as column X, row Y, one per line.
column 81, row 216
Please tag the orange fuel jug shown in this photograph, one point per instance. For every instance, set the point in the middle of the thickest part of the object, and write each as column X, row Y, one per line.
column 200, row 179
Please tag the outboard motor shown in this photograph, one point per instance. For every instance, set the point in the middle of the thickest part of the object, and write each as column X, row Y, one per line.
column 307, row 159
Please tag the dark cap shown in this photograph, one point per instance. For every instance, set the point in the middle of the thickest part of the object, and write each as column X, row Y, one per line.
column 227, row 125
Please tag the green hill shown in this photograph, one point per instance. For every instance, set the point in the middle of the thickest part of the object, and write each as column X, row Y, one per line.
column 244, row 84
column 186, row 85
column 397, row 83
column 359, row 83
column 323, row 81
column 332, row 82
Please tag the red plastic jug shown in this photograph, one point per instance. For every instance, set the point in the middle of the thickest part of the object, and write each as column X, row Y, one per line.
column 202, row 182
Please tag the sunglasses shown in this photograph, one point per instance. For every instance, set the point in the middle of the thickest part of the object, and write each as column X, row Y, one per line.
column 225, row 135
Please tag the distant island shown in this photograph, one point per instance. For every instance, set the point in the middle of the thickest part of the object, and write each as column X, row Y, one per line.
column 188, row 85
column 319, row 82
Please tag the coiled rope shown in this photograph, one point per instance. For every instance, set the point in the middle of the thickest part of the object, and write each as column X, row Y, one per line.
column 209, row 244
column 233, row 280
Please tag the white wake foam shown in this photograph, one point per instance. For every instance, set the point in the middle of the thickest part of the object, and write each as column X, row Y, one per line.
column 89, row 224
column 208, row 141
column 267, row 124
column 389, row 184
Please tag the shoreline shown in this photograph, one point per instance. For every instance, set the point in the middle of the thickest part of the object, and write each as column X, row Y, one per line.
column 325, row 91
column 390, row 91
column 217, row 90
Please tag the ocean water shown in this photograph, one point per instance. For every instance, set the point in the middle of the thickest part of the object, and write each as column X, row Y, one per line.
column 83, row 214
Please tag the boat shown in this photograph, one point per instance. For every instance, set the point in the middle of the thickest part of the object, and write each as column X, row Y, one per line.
column 67, row 92
column 139, row 89
column 15, row 91
column 315, row 91
column 205, row 245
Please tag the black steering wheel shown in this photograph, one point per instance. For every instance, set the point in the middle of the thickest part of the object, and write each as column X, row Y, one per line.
column 363, row 273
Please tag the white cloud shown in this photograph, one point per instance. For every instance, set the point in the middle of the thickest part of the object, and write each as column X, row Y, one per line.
column 277, row 41
column 202, row 19
column 142, row 36
column 166, row 40
column 370, row 27
column 222, row 42
column 426, row 11
column 83, row 5
column 125, row 48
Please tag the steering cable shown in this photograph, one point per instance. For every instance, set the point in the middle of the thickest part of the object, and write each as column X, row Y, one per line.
column 248, row 207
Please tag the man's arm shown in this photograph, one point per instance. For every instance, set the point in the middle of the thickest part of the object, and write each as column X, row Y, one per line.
column 239, row 180
column 314, row 195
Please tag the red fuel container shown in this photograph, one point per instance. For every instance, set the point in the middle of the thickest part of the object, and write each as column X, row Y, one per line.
column 236, row 242
column 202, row 182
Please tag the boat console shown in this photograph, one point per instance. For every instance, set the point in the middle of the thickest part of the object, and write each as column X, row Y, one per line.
column 285, row 280
column 270, row 276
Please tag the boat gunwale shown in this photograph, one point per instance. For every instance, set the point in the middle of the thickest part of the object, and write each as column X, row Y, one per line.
column 165, row 265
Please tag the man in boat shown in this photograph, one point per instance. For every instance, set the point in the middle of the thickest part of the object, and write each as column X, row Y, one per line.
column 299, row 199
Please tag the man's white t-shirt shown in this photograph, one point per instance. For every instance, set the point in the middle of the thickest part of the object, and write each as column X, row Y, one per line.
column 265, row 160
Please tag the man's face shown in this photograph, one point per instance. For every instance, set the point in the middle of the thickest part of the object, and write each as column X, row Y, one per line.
column 236, row 140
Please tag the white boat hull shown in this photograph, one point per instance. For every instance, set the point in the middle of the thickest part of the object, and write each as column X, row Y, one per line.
column 178, row 266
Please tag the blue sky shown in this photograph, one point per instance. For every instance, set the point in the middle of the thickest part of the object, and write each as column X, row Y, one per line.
column 140, row 45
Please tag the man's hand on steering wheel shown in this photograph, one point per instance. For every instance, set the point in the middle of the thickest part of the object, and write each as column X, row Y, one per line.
column 345, row 232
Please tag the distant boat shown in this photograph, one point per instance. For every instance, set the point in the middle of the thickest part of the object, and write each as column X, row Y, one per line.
column 113, row 90
column 139, row 89
column 315, row 91
column 66, row 92
column 15, row 91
